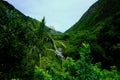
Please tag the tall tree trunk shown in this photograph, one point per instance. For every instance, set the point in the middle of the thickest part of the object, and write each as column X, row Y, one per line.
column 39, row 58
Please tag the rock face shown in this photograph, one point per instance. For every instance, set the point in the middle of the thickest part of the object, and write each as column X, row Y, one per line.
column 99, row 26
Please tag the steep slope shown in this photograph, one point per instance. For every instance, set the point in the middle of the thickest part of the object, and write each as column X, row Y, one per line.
column 16, row 36
column 24, row 44
column 100, row 10
column 100, row 27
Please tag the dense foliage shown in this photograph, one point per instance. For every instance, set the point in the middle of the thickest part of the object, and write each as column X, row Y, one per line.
column 99, row 26
column 31, row 51
column 81, row 69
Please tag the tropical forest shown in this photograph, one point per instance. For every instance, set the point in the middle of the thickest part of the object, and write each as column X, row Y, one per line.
column 89, row 50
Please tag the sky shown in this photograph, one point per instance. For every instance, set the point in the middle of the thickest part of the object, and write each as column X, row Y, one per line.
column 59, row 14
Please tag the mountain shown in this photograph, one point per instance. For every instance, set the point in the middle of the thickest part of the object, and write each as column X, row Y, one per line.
column 99, row 11
column 17, row 34
column 100, row 27
column 24, row 44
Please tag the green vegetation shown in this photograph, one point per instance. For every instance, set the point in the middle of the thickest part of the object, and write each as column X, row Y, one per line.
column 99, row 26
column 81, row 69
column 88, row 51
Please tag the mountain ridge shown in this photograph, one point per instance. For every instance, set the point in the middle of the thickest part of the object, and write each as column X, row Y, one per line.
column 99, row 26
column 98, row 11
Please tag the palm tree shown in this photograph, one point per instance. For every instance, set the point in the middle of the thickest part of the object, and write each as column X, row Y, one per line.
column 43, row 41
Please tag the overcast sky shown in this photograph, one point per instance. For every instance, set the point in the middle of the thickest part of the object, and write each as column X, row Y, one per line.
column 61, row 14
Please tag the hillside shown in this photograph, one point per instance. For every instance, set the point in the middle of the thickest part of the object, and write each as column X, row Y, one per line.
column 99, row 26
column 18, row 35
column 29, row 50
column 26, row 45
column 99, row 11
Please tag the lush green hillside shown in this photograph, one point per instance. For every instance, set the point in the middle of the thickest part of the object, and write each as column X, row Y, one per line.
column 100, row 27
column 25, row 45
column 15, row 29
column 21, row 41
column 99, row 11
column 31, row 51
